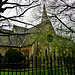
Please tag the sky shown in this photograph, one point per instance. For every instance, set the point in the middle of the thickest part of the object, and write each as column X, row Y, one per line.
column 9, row 13
column 28, row 16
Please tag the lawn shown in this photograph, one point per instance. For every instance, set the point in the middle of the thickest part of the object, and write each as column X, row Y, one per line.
column 39, row 72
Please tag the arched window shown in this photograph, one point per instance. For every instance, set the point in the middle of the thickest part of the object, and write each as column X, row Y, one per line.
column 49, row 38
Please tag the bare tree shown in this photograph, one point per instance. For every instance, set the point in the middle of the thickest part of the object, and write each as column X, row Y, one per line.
column 60, row 12
column 16, row 10
column 63, row 11
column 56, row 8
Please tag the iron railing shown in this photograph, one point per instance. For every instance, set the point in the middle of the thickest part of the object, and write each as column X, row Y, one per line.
column 47, row 64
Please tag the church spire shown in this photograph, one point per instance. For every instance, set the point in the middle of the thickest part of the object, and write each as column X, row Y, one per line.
column 46, row 20
column 44, row 14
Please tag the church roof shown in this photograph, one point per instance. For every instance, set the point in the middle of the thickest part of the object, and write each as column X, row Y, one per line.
column 44, row 26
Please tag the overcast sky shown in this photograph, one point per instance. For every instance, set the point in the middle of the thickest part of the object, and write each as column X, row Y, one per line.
column 31, row 13
column 28, row 16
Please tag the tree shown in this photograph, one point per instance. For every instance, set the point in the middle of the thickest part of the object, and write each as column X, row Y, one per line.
column 14, row 11
column 60, row 12
column 56, row 8
column 13, row 56
column 19, row 7
column 63, row 12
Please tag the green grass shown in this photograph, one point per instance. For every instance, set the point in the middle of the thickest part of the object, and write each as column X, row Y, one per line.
column 38, row 72
column 14, row 73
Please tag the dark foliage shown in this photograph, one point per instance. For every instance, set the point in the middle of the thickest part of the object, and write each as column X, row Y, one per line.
column 13, row 56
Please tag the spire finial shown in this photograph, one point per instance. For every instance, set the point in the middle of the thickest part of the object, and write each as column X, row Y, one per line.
column 44, row 14
column 44, row 0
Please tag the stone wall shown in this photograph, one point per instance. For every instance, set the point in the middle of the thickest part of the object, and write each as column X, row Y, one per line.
column 17, row 29
column 12, row 40
column 27, row 51
column 4, row 49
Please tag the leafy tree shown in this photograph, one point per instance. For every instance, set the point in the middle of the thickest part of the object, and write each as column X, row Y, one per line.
column 12, row 56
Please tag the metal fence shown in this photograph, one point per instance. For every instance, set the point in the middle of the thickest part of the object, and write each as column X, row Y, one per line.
column 62, row 63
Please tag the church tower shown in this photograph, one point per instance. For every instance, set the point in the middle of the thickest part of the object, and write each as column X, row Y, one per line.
column 44, row 15
column 46, row 20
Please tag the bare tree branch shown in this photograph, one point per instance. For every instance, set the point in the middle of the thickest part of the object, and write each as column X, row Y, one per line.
column 22, row 4
column 65, row 25
column 18, row 15
column 68, row 4
column 70, row 18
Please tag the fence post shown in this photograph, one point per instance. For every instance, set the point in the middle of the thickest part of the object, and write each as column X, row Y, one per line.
column 32, row 64
column 67, row 64
column 73, row 61
column 44, row 64
column 40, row 64
column 35, row 61
column 64, row 60
column 36, row 64
column 47, row 64
column 28, row 62
column 58, row 66
column 0, row 64
column 51, row 64
column 54, row 62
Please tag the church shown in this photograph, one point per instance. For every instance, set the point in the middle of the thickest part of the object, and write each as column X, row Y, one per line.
column 39, row 38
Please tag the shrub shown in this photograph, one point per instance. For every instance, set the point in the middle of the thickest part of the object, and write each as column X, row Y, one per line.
column 13, row 56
